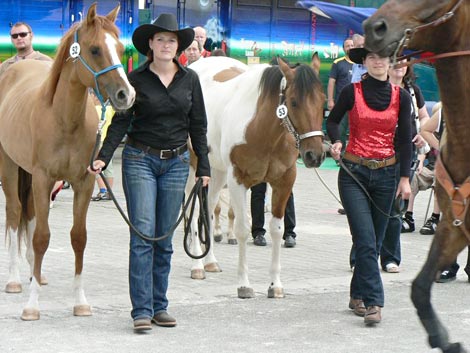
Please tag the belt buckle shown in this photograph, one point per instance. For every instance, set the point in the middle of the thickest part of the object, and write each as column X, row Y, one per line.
column 373, row 164
column 162, row 154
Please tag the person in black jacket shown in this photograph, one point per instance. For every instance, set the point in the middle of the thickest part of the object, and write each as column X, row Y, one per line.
column 169, row 107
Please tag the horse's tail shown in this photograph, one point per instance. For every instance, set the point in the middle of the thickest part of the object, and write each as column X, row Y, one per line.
column 25, row 196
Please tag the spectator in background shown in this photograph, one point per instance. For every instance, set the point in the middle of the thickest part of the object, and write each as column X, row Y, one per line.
column 201, row 36
column 358, row 69
column 193, row 52
column 21, row 36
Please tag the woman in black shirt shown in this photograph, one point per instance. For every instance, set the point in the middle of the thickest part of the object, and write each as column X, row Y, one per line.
column 169, row 106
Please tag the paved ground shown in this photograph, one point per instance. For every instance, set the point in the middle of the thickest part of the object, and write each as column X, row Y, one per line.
column 313, row 317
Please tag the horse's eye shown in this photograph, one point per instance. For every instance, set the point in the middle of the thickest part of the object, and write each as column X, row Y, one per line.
column 95, row 50
column 294, row 103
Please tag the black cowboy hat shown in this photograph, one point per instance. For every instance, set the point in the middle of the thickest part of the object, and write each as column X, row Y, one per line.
column 166, row 22
column 357, row 55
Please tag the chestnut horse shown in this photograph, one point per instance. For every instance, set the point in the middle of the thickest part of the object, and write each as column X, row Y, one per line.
column 258, row 120
column 47, row 133
column 441, row 27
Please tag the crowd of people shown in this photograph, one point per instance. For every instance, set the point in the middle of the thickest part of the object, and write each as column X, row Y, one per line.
column 377, row 123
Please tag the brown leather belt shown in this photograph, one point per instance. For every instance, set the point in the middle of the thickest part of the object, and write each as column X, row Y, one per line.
column 163, row 154
column 368, row 162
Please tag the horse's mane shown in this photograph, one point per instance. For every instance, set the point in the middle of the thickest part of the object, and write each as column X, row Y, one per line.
column 62, row 54
column 305, row 81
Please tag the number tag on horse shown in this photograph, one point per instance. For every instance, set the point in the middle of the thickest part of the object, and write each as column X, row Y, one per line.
column 281, row 111
column 74, row 50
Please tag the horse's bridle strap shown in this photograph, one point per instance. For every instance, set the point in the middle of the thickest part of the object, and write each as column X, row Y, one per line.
column 459, row 195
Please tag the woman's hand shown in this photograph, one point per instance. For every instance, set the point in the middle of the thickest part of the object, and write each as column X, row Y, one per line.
column 404, row 188
column 98, row 165
column 205, row 180
column 335, row 150
column 419, row 141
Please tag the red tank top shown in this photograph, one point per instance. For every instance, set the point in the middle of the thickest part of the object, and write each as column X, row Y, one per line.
column 371, row 132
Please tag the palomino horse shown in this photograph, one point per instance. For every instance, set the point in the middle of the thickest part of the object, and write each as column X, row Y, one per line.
column 257, row 123
column 47, row 133
column 440, row 27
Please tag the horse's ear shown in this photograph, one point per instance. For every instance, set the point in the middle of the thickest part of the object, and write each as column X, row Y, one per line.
column 285, row 69
column 114, row 13
column 316, row 62
column 90, row 17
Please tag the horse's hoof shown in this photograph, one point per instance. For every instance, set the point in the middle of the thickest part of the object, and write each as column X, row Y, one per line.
column 218, row 238
column 198, row 274
column 275, row 292
column 44, row 281
column 232, row 241
column 212, row 267
column 454, row 348
column 245, row 293
column 13, row 287
column 30, row 314
column 82, row 310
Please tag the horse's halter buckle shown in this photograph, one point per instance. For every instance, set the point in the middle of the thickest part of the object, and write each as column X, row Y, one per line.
column 283, row 114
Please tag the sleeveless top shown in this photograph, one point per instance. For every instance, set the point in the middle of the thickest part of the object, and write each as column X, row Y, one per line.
column 371, row 132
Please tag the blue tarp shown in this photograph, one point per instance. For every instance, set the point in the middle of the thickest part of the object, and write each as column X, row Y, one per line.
column 350, row 17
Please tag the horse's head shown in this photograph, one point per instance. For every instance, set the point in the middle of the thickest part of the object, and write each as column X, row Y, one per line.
column 304, row 99
column 403, row 23
column 98, row 58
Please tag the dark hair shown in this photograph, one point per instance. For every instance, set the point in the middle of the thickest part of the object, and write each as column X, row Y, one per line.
column 410, row 76
column 218, row 52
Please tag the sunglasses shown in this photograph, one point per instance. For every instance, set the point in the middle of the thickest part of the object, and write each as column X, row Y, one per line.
column 21, row 34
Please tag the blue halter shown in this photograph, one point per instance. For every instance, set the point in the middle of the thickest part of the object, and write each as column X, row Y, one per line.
column 95, row 74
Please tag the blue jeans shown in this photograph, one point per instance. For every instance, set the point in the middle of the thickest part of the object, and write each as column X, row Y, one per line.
column 391, row 245
column 367, row 225
column 154, row 190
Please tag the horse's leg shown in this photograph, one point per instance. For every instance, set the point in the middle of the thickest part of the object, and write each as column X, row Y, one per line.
column 218, row 236
column 467, row 267
column 13, row 215
column 78, row 235
column 231, row 219
column 29, row 232
column 447, row 243
column 242, row 231
column 42, row 186
column 218, row 180
column 281, row 192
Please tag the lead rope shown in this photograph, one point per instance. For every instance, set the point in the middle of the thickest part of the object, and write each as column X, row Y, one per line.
column 198, row 192
column 346, row 169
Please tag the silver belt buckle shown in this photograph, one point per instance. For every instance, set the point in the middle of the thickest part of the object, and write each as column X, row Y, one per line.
column 373, row 164
column 162, row 152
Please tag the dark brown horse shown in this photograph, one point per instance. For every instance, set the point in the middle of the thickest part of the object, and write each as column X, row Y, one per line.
column 258, row 123
column 47, row 133
column 441, row 27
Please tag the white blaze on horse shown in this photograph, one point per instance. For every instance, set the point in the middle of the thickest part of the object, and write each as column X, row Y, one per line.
column 48, row 127
column 258, row 119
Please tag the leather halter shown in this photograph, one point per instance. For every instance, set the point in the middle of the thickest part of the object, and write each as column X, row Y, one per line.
column 408, row 34
column 285, row 121
column 459, row 194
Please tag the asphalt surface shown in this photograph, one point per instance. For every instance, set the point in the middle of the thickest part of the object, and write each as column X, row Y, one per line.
column 313, row 316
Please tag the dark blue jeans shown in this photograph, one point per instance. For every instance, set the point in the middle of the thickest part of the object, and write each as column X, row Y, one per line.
column 154, row 190
column 367, row 225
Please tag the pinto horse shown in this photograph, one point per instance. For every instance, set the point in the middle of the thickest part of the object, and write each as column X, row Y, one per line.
column 440, row 27
column 47, row 133
column 258, row 120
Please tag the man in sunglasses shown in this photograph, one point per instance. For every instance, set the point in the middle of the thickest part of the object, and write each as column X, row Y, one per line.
column 21, row 36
